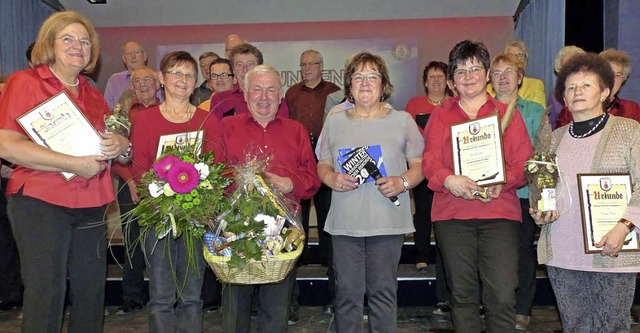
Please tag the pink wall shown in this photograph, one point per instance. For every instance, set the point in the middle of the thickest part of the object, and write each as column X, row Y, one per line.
column 435, row 37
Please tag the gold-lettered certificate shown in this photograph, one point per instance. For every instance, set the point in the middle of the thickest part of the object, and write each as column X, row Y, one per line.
column 59, row 125
column 603, row 202
column 477, row 150
column 191, row 139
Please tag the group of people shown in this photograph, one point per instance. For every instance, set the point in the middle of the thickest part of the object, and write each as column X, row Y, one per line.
column 484, row 234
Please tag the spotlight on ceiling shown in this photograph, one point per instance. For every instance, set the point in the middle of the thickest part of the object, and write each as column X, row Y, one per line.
column 96, row 2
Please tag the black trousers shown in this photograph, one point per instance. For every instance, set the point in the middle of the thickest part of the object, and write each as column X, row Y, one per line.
column 10, row 279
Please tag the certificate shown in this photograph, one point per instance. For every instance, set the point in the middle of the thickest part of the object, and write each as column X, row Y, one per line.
column 59, row 125
column 477, row 150
column 180, row 140
column 603, row 201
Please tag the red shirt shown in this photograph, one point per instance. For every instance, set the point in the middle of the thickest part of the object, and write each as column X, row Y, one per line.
column 287, row 140
column 619, row 107
column 437, row 164
column 306, row 105
column 27, row 89
column 232, row 101
column 150, row 125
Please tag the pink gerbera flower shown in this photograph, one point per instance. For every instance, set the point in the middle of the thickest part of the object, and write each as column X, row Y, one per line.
column 183, row 177
column 162, row 166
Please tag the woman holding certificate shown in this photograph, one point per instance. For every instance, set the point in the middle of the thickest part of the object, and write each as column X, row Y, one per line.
column 476, row 217
column 363, row 152
column 592, row 275
column 174, row 288
column 56, row 219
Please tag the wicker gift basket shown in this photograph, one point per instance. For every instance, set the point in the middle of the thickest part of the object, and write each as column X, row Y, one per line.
column 259, row 239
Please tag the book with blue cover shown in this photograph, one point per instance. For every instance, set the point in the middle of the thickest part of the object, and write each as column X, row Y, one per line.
column 362, row 162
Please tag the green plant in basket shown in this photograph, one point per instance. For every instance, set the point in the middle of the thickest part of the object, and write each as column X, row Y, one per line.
column 181, row 195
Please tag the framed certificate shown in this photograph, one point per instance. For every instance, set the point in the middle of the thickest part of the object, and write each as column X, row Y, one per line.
column 477, row 150
column 191, row 139
column 603, row 201
column 59, row 125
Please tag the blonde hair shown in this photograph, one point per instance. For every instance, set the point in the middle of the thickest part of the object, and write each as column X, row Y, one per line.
column 43, row 49
column 619, row 57
column 564, row 55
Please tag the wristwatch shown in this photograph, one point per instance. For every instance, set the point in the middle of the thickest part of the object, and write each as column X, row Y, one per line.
column 405, row 183
column 628, row 224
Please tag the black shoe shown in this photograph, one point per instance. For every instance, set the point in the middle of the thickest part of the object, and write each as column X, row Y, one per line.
column 328, row 309
column 9, row 305
column 210, row 308
column 442, row 308
column 128, row 308
column 293, row 317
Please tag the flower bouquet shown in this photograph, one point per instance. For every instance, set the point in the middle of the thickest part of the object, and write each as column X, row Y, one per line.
column 259, row 239
column 181, row 195
column 542, row 175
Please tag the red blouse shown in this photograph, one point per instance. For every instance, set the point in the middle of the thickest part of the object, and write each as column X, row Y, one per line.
column 27, row 89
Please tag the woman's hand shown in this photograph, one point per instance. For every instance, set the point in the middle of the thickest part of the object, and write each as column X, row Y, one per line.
column 135, row 198
column 461, row 187
column 493, row 192
column 282, row 184
column 113, row 145
column 612, row 242
column 88, row 166
column 390, row 186
column 549, row 217
column 341, row 182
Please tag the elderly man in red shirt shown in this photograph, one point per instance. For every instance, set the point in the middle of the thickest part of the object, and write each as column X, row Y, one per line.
column 292, row 172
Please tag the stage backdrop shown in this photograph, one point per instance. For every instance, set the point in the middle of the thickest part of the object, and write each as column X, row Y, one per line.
column 406, row 45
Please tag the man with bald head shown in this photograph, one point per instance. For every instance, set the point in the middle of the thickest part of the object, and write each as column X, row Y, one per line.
column 232, row 40
column 133, row 56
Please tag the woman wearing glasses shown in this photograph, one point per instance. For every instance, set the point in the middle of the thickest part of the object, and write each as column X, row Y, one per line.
column 506, row 76
column 363, row 152
column 478, row 236
column 56, row 223
column 174, row 288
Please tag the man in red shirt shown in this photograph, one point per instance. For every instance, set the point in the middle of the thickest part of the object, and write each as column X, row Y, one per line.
column 292, row 172
column 243, row 58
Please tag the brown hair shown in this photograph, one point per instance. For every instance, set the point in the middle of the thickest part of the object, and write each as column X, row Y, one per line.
column 43, row 49
column 587, row 63
column 366, row 58
column 177, row 58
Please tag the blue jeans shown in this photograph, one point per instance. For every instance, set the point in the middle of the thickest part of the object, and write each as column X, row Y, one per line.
column 175, row 305
column 485, row 248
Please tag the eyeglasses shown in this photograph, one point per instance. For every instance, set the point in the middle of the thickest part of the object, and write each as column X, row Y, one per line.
column 370, row 77
column 520, row 56
column 182, row 75
column 70, row 40
column 474, row 70
column 246, row 65
column 146, row 80
column 223, row 76
column 506, row 72
column 309, row 64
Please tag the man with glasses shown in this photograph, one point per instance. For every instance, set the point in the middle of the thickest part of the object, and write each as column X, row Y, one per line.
column 204, row 91
column 145, row 85
column 306, row 100
column 243, row 58
column 221, row 78
column 133, row 56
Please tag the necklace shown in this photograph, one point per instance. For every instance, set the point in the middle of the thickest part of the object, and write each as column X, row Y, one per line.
column 589, row 132
column 465, row 111
column 169, row 114
column 63, row 81
column 436, row 103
